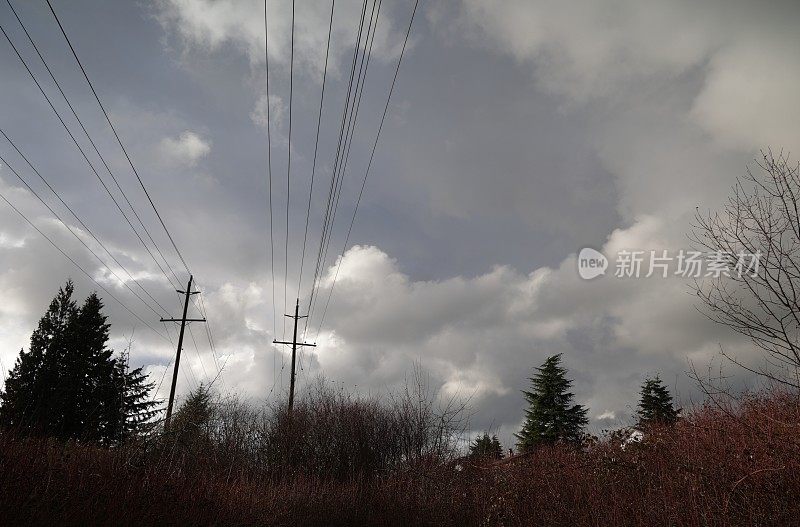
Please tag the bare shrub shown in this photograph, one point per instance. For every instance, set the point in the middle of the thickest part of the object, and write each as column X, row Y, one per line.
column 736, row 462
column 330, row 434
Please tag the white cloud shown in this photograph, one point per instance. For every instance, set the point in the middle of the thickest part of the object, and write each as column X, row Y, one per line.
column 277, row 110
column 607, row 415
column 7, row 242
column 210, row 24
column 673, row 98
column 186, row 149
column 748, row 100
column 479, row 336
column 616, row 49
column 592, row 50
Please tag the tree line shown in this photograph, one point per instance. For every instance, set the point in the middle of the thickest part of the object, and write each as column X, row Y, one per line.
column 552, row 417
column 761, row 218
column 70, row 385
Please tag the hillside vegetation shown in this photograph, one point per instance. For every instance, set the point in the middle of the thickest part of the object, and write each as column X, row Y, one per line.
column 345, row 460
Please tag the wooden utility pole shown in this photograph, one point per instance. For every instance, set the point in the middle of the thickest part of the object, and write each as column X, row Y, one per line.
column 183, row 320
column 294, row 345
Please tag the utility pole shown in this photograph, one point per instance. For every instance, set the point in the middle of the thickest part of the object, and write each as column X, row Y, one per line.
column 294, row 345
column 183, row 320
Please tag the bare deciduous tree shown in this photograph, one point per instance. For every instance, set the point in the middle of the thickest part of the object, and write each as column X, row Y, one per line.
column 760, row 301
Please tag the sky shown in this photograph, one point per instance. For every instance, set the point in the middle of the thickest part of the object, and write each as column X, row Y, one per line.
column 518, row 133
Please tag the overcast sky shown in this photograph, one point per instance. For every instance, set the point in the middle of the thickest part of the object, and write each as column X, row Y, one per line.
column 518, row 133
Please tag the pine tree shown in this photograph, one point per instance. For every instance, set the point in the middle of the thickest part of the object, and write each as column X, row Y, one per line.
column 486, row 446
column 32, row 397
column 551, row 416
column 70, row 385
column 195, row 413
column 655, row 405
column 137, row 411
column 96, row 396
column 192, row 424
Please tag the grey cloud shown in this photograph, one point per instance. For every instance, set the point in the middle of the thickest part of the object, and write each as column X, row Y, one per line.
column 518, row 134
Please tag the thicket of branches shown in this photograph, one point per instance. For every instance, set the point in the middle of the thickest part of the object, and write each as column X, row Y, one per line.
column 330, row 434
column 730, row 462
column 762, row 302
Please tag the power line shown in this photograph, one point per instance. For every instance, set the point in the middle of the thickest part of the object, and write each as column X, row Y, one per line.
column 80, row 149
column 116, row 135
column 369, row 164
column 91, row 166
column 122, row 145
column 332, row 186
column 316, row 145
column 341, row 162
column 81, row 222
column 353, row 120
column 269, row 170
column 197, row 352
column 334, row 175
column 88, row 136
column 288, row 171
column 76, row 264
column 209, row 333
column 91, row 141
column 58, row 217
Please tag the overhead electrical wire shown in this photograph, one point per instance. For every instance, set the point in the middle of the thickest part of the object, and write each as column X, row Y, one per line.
column 89, row 138
column 83, row 153
column 316, row 146
column 80, row 221
column 369, row 164
column 342, row 165
column 269, row 174
column 127, row 155
column 355, row 89
column 76, row 264
column 269, row 169
column 346, row 116
column 116, row 135
column 352, row 106
column 199, row 357
column 85, row 157
column 332, row 186
column 58, row 217
column 343, row 153
column 288, row 170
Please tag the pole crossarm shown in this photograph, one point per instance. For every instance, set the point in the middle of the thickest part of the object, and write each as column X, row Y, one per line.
column 182, row 320
column 294, row 344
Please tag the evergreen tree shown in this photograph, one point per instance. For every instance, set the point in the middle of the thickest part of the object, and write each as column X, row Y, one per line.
column 91, row 384
column 195, row 413
column 138, row 410
column 486, row 446
column 551, row 416
column 193, row 422
column 31, row 399
column 70, row 385
column 655, row 405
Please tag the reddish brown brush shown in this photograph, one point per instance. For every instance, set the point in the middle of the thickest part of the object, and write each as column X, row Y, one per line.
column 731, row 464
